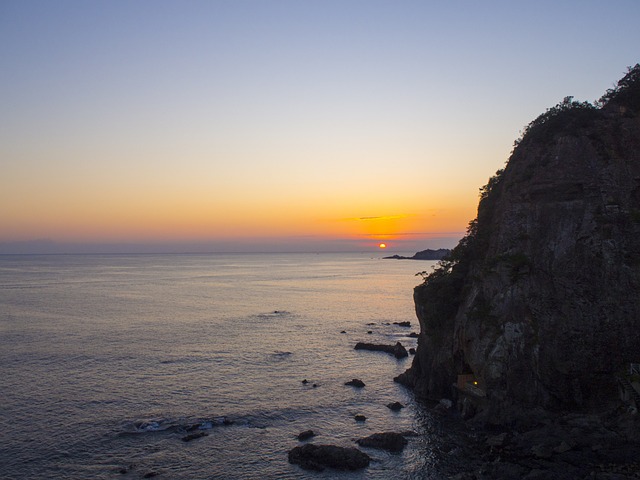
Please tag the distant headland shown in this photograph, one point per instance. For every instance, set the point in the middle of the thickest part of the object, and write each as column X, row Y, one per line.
column 424, row 255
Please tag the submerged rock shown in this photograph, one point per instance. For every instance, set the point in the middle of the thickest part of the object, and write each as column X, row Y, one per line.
column 396, row 350
column 391, row 441
column 193, row 436
column 319, row 457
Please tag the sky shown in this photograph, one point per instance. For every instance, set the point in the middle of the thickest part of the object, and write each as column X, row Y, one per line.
column 278, row 125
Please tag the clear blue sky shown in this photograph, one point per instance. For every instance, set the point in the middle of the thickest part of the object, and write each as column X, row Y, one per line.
column 280, row 125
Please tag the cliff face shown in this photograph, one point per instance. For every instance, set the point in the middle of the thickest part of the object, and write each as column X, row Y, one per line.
column 541, row 300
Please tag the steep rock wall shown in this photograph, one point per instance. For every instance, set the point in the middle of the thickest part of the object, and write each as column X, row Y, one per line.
column 541, row 301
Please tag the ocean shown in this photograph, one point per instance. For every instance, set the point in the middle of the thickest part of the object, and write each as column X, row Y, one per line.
column 108, row 361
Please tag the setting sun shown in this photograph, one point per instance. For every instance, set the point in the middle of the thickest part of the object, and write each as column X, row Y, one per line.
column 383, row 245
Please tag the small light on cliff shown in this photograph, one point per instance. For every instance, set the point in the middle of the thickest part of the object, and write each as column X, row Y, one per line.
column 475, row 382
column 383, row 245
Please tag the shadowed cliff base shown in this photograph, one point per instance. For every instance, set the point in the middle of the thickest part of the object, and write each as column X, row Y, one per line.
column 538, row 306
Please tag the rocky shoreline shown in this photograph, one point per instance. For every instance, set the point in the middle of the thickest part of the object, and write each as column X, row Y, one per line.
column 535, row 445
column 538, row 445
column 562, row 446
column 318, row 457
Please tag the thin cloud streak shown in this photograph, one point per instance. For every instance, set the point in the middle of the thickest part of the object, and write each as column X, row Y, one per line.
column 381, row 217
column 460, row 234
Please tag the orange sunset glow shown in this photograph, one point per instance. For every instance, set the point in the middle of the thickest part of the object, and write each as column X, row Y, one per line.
column 256, row 129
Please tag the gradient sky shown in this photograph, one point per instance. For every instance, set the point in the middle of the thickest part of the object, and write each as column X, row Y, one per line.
column 279, row 124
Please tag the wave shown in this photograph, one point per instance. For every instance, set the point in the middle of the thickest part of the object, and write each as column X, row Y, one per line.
column 169, row 425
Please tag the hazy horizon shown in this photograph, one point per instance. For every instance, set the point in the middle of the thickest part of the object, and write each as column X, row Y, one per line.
column 282, row 245
column 279, row 126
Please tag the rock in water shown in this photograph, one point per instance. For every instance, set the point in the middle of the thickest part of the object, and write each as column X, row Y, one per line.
column 540, row 301
column 318, row 457
column 391, row 441
column 356, row 382
column 307, row 434
column 402, row 324
column 396, row 350
column 395, row 406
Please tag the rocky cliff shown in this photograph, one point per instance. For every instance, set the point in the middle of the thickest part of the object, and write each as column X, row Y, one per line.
column 540, row 302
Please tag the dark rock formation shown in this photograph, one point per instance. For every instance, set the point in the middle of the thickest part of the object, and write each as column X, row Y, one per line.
column 424, row 255
column 402, row 324
column 356, row 382
column 570, row 447
column 396, row 350
column 360, row 418
column 318, row 457
column 391, row 441
column 395, row 406
column 540, row 302
column 193, row 436
column 306, row 435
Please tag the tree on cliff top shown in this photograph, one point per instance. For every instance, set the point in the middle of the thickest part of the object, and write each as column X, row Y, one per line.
column 570, row 115
column 626, row 92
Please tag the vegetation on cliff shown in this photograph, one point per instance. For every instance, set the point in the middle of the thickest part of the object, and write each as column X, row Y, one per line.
column 566, row 117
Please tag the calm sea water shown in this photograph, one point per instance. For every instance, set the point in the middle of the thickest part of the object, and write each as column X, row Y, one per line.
column 106, row 361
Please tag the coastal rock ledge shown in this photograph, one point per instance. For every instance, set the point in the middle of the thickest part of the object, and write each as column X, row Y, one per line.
column 538, row 307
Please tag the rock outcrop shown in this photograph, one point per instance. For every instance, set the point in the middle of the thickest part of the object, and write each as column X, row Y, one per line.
column 319, row 457
column 396, row 350
column 539, row 305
